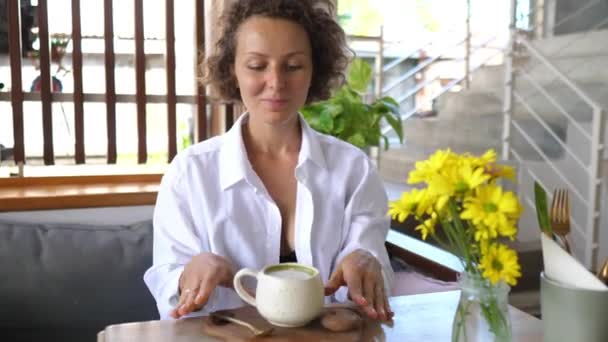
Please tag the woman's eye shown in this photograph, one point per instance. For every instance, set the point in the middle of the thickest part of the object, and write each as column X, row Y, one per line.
column 294, row 67
column 255, row 67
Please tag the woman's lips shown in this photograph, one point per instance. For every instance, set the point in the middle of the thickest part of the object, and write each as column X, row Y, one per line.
column 276, row 104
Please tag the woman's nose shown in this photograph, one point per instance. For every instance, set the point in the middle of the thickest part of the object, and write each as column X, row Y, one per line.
column 276, row 79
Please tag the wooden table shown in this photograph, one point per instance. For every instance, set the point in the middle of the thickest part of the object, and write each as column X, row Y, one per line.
column 426, row 317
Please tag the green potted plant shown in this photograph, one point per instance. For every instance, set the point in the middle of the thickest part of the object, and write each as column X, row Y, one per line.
column 346, row 115
column 59, row 43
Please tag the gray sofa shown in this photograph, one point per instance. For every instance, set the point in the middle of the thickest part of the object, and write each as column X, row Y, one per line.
column 66, row 282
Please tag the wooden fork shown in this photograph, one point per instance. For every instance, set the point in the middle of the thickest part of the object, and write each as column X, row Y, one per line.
column 560, row 216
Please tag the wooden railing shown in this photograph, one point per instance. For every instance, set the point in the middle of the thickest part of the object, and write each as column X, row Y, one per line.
column 219, row 111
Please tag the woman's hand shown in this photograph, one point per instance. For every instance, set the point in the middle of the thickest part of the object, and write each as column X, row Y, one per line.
column 362, row 274
column 200, row 277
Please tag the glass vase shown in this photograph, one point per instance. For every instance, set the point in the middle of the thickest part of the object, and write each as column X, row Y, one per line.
column 482, row 314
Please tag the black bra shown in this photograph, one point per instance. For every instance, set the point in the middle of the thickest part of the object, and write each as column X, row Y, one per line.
column 291, row 257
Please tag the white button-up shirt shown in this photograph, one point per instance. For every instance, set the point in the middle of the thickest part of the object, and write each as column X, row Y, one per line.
column 211, row 200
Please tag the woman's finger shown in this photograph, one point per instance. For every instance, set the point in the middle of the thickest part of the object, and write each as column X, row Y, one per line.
column 188, row 304
column 368, row 294
column 380, row 301
column 387, row 307
column 203, row 293
column 182, row 299
column 335, row 281
column 355, row 289
column 369, row 285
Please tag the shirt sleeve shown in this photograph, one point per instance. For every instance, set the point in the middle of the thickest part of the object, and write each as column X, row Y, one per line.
column 175, row 242
column 367, row 225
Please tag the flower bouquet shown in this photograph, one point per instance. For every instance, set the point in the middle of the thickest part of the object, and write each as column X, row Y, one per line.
column 463, row 207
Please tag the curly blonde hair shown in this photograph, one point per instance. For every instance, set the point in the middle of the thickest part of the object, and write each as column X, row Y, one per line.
column 327, row 41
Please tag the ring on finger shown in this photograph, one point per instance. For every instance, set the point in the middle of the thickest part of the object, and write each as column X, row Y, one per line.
column 186, row 291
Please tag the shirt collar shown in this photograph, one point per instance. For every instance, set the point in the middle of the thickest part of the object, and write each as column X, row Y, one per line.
column 311, row 146
column 235, row 166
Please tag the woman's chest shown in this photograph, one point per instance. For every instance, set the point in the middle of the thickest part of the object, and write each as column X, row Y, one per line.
column 245, row 220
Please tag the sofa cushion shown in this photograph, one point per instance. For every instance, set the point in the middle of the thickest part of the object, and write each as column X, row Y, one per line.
column 63, row 277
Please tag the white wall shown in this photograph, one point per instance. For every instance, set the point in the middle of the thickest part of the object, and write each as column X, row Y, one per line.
column 109, row 216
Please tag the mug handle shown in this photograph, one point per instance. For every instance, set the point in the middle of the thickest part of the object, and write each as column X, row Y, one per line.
column 238, row 286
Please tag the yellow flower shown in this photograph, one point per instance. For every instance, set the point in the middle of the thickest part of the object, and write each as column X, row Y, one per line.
column 428, row 168
column 501, row 171
column 457, row 179
column 411, row 202
column 427, row 203
column 428, row 226
column 483, row 246
column 500, row 263
column 472, row 177
column 493, row 209
column 441, row 185
column 487, row 158
column 469, row 185
column 483, row 232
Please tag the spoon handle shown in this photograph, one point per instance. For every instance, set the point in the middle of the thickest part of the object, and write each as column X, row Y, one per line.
column 237, row 321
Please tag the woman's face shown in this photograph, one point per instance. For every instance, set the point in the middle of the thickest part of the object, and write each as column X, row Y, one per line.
column 273, row 68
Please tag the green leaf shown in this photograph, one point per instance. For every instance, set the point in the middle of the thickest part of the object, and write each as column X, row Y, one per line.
column 391, row 101
column 542, row 214
column 391, row 104
column 339, row 125
column 346, row 116
column 351, row 95
column 333, row 109
column 373, row 137
column 312, row 110
column 396, row 124
column 357, row 139
column 380, row 107
column 339, row 95
column 358, row 111
column 386, row 144
column 359, row 75
column 326, row 122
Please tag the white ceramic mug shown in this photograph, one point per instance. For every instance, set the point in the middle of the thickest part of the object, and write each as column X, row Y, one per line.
column 287, row 294
column 572, row 314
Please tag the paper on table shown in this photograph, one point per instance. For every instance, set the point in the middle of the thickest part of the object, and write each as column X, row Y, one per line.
column 562, row 267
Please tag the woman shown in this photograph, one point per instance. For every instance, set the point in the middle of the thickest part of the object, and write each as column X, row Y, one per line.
column 271, row 189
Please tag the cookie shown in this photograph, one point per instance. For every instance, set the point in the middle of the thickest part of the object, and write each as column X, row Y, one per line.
column 341, row 319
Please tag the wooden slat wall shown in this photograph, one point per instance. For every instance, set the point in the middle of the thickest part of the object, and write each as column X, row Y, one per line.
column 201, row 110
column 171, row 96
column 110, row 97
column 45, row 82
column 108, row 25
column 14, row 43
column 79, row 153
column 140, row 81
